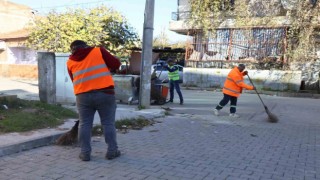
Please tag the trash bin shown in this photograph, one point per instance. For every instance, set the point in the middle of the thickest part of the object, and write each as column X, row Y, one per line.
column 159, row 93
column 164, row 90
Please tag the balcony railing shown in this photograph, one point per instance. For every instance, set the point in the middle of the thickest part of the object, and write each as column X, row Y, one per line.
column 181, row 15
column 256, row 45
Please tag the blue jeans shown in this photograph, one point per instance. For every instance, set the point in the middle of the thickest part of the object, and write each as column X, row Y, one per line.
column 233, row 103
column 175, row 85
column 88, row 104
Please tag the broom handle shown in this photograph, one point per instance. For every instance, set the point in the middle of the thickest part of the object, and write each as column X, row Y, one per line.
column 160, row 71
column 257, row 92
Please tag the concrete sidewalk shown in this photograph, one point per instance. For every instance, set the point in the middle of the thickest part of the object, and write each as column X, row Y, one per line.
column 26, row 89
column 17, row 142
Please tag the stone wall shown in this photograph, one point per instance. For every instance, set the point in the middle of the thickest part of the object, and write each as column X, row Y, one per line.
column 274, row 80
column 310, row 74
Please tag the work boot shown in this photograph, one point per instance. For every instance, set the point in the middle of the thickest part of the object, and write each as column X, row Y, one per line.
column 170, row 101
column 112, row 155
column 234, row 115
column 84, row 157
column 216, row 112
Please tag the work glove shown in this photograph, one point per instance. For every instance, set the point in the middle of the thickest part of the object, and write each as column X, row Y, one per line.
column 245, row 73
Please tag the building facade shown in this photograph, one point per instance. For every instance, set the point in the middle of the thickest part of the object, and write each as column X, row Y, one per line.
column 259, row 47
column 233, row 43
column 14, row 19
column 16, row 60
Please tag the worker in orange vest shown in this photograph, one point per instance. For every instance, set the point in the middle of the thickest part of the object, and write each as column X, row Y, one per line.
column 232, row 89
column 90, row 71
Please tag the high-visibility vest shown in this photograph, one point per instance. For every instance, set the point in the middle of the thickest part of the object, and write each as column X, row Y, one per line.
column 91, row 73
column 234, row 83
column 173, row 75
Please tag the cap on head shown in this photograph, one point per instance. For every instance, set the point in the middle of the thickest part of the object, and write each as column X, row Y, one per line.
column 77, row 44
column 241, row 67
column 170, row 61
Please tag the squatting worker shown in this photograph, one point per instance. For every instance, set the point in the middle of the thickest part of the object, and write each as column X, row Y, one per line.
column 174, row 80
column 90, row 71
column 232, row 89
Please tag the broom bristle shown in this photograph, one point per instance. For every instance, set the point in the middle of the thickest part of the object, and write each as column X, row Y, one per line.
column 271, row 117
column 69, row 137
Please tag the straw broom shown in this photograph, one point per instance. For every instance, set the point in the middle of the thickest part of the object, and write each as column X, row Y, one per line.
column 271, row 117
column 70, row 137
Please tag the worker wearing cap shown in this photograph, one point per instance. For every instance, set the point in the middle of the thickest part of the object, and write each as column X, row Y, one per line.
column 232, row 89
column 174, row 80
column 90, row 71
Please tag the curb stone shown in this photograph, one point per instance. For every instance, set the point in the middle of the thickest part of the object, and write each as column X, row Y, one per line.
column 50, row 139
column 29, row 144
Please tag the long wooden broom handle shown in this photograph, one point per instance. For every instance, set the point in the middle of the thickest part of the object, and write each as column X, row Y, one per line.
column 257, row 92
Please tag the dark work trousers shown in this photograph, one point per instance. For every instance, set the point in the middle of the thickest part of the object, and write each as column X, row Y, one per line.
column 225, row 100
column 87, row 104
column 175, row 85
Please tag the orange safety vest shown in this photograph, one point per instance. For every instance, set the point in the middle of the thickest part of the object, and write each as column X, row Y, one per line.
column 91, row 73
column 234, row 83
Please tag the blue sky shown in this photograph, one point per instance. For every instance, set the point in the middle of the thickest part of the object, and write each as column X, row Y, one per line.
column 133, row 10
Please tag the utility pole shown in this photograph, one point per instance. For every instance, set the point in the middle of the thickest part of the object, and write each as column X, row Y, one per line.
column 146, row 58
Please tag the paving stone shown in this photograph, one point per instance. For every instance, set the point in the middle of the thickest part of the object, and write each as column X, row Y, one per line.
column 198, row 146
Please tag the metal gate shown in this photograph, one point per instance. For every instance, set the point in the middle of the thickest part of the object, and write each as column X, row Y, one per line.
column 237, row 45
